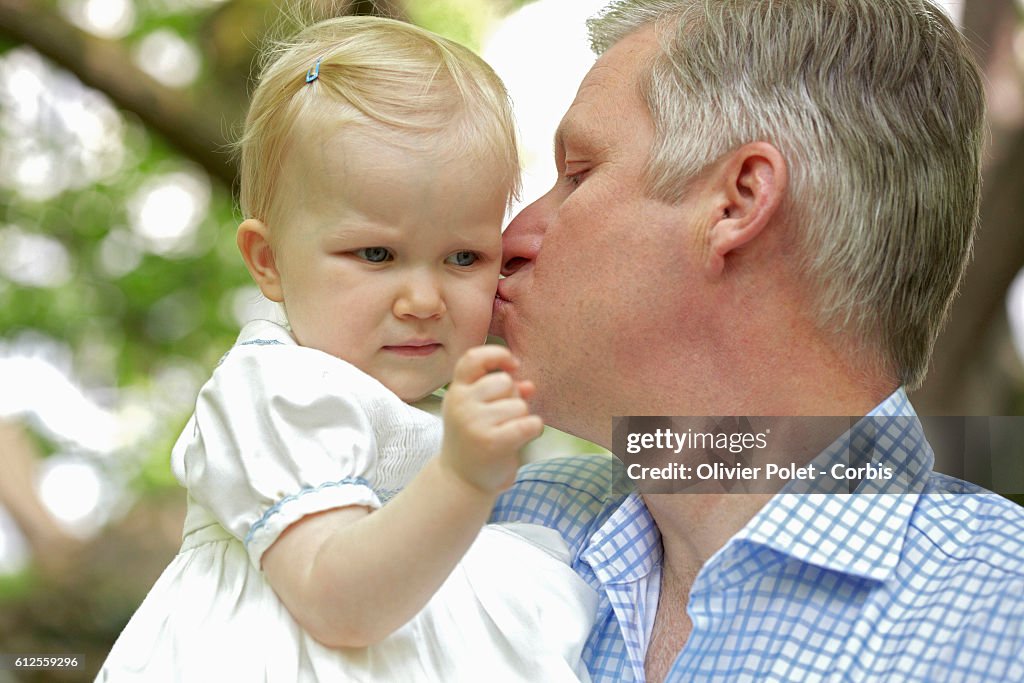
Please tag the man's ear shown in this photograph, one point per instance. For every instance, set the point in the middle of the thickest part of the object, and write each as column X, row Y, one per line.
column 751, row 183
column 253, row 239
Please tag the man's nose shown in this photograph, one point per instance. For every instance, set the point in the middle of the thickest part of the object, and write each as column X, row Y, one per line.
column 521, row 240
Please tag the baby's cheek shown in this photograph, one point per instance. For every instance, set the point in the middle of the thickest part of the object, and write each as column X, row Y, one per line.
column 474, row 316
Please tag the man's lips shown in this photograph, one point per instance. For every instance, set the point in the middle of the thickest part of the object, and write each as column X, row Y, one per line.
column 504, row 291
column 500, row 309
column 414, row 348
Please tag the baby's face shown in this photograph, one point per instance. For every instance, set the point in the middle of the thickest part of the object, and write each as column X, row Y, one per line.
column 388, row 257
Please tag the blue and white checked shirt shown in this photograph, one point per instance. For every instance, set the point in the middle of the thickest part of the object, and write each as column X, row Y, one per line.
column 836, row 587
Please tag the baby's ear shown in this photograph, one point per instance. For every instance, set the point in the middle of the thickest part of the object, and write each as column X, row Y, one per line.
column 253, row 239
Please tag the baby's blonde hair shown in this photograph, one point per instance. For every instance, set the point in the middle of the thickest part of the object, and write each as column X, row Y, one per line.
column 381, row 75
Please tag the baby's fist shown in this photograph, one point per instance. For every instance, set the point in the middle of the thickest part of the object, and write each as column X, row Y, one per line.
column 486, row 419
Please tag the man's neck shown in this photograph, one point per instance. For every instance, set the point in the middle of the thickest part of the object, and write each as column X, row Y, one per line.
column 694, row 526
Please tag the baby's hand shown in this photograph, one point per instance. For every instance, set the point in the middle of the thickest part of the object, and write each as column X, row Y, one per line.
column 486, row 419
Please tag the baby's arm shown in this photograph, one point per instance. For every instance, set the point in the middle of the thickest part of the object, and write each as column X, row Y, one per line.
column 351, row 578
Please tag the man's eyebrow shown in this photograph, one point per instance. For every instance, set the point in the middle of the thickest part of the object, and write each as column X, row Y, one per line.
column 566, row 128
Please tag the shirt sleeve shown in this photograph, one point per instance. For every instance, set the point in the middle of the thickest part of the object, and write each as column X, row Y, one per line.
column 279, row 433
column 572, row 495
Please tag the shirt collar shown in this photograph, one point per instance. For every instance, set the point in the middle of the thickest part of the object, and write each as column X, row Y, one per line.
column 860, row 533
column 627, row 547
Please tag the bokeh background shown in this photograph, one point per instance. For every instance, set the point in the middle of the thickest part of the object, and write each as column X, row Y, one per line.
column 120, row 284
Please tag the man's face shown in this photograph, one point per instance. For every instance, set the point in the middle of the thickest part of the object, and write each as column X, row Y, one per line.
column 598, row 274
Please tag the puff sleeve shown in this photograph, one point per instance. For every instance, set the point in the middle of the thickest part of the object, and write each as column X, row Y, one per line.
column 279, row 432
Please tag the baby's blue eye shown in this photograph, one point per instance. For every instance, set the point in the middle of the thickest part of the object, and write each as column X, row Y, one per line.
column 374, row 254
column 462, row 258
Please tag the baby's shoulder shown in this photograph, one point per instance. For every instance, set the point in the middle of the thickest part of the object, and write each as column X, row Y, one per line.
column 267, row 362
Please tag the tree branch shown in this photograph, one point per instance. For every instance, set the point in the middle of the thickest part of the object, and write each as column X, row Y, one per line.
column 197, row 124
column 970, row 373
column 982, row 20
column 198, row 131
column 52, row 547
column 998, row 257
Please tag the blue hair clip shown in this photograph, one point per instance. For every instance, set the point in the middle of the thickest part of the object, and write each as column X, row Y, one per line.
column 314, row 73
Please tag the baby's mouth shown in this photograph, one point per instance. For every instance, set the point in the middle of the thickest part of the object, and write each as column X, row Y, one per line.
column 414, row 348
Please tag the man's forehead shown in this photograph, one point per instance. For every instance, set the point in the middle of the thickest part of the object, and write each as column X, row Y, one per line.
column 615, row 75
column 625, row 59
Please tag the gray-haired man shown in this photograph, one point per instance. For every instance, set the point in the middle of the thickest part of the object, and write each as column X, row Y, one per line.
column 764, row 208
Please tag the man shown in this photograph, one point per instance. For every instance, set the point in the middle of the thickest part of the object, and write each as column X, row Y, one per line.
column 763, row 208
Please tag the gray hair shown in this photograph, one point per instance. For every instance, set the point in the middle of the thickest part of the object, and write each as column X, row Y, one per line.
column 878, row 108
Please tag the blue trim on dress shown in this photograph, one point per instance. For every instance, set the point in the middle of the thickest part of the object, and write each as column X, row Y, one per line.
column 276, row 507
column 251, row 342
column 260, row 342
column 386, row 495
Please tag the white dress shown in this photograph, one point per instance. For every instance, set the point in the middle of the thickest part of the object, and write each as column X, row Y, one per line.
column 281, row 431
